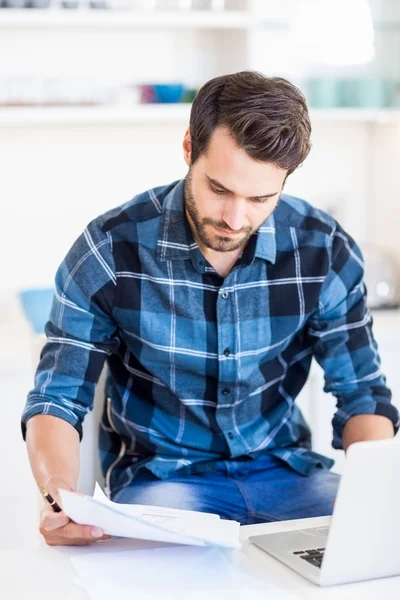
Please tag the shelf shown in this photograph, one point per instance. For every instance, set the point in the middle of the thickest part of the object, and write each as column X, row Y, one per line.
column 120, row 19
column 96, row 115
column 358, row 115
column 159, row 114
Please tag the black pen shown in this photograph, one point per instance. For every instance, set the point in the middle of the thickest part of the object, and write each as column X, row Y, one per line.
column 50, row 500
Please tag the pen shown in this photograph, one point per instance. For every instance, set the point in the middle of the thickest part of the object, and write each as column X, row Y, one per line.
column 50, row 500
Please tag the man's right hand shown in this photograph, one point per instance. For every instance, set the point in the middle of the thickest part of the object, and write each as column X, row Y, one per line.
column 58, row 530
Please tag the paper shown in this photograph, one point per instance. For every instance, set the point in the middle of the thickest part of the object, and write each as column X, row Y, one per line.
column 150, row 522
column 156, row 514
column 127, row 569
column 151, row 570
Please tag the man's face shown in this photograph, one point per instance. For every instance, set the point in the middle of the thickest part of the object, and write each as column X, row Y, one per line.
column 228, row 195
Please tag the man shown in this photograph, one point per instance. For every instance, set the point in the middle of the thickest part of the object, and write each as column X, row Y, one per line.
column 208, row 299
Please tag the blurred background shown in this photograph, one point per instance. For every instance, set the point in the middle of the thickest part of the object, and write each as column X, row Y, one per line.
column 95, row 98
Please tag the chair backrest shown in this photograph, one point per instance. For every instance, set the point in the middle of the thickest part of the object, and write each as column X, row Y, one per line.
column 90, row 470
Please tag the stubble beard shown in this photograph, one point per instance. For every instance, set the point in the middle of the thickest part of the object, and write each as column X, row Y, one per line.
column 216, row 242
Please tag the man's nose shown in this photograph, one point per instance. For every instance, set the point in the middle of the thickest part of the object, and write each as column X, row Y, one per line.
column 234, row 214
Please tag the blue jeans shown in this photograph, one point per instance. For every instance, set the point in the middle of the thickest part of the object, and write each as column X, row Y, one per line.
column 255, row 491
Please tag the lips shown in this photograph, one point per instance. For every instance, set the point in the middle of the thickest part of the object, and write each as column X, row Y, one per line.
column 224, row 232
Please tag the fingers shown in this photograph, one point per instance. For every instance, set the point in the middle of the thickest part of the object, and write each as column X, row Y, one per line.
column 58, row 530
column 74, row 535
column 85, row 533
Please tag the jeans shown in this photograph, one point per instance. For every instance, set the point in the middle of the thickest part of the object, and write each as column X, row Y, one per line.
column 255, row 491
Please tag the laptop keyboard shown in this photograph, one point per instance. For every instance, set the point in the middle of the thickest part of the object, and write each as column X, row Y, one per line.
column 313, row 556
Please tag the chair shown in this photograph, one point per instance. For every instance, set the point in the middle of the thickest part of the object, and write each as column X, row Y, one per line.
column 90, row 470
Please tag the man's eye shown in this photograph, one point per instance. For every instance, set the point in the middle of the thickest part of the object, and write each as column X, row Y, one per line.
column 260, row 201
column 220, row 192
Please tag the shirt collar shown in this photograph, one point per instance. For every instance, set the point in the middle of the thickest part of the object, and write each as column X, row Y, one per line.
column 176, row 242
column 266, row 240
column 175, row 239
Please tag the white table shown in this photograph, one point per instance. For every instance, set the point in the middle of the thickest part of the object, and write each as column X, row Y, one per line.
column 30, row 569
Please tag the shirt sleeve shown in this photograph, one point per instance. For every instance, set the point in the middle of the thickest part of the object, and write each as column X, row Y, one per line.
column 80, row 331
column 343, row 342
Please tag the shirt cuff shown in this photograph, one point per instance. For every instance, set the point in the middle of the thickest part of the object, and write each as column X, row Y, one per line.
column 45, row 407
column 361, row 406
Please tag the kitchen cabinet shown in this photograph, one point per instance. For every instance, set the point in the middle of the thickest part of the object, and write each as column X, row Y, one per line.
column 118, row 47
column 59, row 57
column 16, row 372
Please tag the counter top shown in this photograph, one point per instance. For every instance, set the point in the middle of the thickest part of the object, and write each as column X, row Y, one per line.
column 48, row 572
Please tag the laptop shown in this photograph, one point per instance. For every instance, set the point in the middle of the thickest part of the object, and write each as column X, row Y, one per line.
column 362, row 540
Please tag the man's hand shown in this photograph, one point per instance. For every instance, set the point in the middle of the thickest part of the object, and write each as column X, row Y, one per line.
column 58, row 530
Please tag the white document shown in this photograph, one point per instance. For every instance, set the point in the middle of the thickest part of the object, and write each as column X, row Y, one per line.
column 150, row 522
column 127, row 569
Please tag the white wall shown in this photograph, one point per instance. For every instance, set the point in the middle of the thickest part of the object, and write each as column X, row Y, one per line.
column 386, row 188
column 55, row 180
column 335, row 175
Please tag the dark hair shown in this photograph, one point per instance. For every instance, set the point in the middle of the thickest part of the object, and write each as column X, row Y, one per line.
column 266, row 116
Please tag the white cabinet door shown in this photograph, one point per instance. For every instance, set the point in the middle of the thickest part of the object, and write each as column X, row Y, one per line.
column 15, row 466
column 391, row 369
column 322, row 409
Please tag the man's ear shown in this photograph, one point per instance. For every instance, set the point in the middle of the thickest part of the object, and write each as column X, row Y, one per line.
column 187, row 148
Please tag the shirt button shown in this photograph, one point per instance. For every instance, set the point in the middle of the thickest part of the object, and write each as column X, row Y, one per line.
column 227, row 351
column 230, row 435
column 226, row 391
column 224, row 294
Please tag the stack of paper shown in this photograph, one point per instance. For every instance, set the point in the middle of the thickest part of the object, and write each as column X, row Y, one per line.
column 129, row 569
column 149, row 569
column 150, row 522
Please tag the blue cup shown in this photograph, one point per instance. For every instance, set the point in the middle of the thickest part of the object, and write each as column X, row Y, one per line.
column 164, row 93
column 36, row 305
column 169, row 93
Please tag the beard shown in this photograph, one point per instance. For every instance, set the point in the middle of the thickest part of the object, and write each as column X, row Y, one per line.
column 216, row 242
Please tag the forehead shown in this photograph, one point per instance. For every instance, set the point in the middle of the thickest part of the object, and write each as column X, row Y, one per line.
column 236, row 170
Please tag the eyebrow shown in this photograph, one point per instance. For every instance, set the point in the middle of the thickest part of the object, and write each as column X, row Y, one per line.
column 218, row 184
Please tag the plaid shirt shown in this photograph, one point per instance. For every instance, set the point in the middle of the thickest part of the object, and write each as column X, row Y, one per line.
column 202, row 368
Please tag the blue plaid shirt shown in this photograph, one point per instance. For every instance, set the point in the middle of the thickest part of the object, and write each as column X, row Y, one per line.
column 202, row 368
